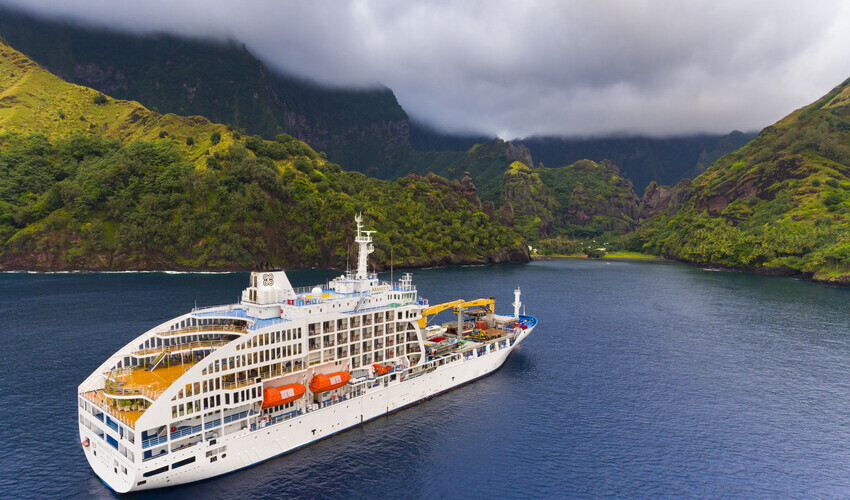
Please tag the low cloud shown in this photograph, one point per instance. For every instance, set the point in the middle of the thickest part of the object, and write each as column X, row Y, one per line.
column 520, row 68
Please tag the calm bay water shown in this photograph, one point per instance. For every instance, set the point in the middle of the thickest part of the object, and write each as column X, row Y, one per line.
column 641, row 380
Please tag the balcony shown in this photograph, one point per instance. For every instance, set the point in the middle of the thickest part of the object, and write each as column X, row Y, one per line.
column 180, row 347
column 203, row 329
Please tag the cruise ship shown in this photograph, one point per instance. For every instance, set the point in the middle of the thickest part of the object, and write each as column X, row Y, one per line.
column 222, row 388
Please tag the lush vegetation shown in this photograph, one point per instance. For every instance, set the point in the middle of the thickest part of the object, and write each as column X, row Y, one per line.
column 220, row 81
column 122, row 187
column 583, row 200
column 363, row 130
column 89, row 181
column 36, row 101
column 642, row 159
column 90, row 202
column 591, row 199
column 781, row 204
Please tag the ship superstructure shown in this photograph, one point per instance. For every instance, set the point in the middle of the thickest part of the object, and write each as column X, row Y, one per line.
column 222, row 388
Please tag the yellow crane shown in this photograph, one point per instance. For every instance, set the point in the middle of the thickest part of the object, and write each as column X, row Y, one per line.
column 430, row 311
column 488, row 304
column 458, row 306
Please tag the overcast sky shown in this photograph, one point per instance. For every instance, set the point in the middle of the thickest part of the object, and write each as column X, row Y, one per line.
column 519, row 68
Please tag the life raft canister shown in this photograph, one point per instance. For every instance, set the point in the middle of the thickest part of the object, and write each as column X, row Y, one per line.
column 326, row 382
column 275, row 396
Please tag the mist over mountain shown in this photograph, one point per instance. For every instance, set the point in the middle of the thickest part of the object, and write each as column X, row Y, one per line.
column 219, row 80
column 364, row 130
column 642, row 159
column 509, row 69
column 778, row 205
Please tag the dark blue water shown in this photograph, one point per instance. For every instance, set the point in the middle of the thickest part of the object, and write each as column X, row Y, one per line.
column 641, row 380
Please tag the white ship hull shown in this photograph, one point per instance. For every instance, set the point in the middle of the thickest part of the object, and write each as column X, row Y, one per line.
column 248, row 447
column 225, row 387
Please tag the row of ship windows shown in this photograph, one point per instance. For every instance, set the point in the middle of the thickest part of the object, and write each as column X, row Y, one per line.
column 251, row 360
column 341, row 340
column 244, row 360
column 343, row 352
column 279, row 408
column 208, row 403
column 160, row 470
column 368, row 359
column 270, row 338
column 209, row 385
column 358, row 321
column 187, row 323
column 104, row 435
column 250, row 372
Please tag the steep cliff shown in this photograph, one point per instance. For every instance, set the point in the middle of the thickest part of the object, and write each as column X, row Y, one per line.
column 591, row 198
column 221, row 81
column 92, row 182
column 779, row 205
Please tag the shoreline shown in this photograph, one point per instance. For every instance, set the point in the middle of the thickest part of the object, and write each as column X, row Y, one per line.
column 584, row 257
column 777, row 273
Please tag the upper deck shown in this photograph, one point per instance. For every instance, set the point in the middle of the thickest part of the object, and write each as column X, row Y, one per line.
column 307, row 325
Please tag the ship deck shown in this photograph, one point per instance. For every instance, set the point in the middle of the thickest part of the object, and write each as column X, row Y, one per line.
column 129, row 417
column 153, row 381
column 138, row 381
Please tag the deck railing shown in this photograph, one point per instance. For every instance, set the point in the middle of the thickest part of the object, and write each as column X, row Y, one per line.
column 202, row 328
column 186, row 431
column 199, row 344
column 147, row 443
column 238, row 384
column 142, row 392
column 111, row 411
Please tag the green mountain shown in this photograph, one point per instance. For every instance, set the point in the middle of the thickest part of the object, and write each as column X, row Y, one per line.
column 591, row 199
column 221, row 81
column 642, row 159
column 581, row 200
column 778, row 205
column 367, row 131
column 92, row 182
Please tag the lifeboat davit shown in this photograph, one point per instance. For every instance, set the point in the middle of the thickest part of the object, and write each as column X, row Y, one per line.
column 324, row 382
column 275, row 396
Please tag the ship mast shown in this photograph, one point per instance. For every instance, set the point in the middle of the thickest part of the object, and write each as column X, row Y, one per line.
column 364, row 239
column 517, row 303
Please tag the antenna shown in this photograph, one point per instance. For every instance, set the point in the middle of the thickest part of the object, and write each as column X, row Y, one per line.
column 391, row 261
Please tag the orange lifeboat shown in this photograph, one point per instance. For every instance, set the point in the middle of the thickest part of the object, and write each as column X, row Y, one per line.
column 323, row 382
column 275, row 396
column 381, row 370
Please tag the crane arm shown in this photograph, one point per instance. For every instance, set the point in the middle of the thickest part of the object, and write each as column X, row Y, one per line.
column 430, row 311
column 489, row 304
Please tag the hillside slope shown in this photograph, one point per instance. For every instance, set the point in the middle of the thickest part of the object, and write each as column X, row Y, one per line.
column 34, row 100
column 90, row 182
column 780, row 204
column 363, row 130
column 642, row 159
column 582, row 200
column 221, row 81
